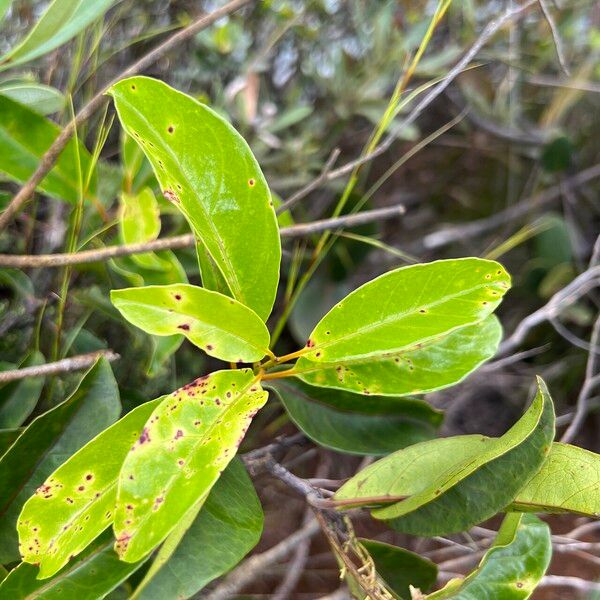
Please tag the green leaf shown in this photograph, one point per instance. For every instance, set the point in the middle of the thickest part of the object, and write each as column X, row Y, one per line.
column 187, row 442
column 61, row 21
column 94, row 574
column 208, row 171
column 48, row 441
column 512, row 568
column 221, row 326
column 406, row 307
column 8, row 438
column 229, row 524
column 400, row 568
column 40, row 98
column 24, row 138
column 398, row 423
column 437, row 364
column 19, row 398
column 569, row 481
column 445, row 486
column 76, row 503
column 4, row 6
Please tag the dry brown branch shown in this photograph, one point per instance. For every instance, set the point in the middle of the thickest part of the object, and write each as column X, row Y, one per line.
column 66, row 365
column 187, row 241
column 51, row 155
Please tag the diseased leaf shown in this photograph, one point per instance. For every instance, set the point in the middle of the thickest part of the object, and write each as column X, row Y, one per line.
column 40, row 98
column 48, row 441
column 439, row 492
column 221, row 326
column 400, row 568
column 437, row 364
column 208, row 171
column 406, row 421
column 569, row 481
column 76, row 503
column 187, row 442
column 61, row 21
column 18, row 398
column 229, row 524
column 94, row 574
column 24, row 138
column 406, row 307
column 512, row 568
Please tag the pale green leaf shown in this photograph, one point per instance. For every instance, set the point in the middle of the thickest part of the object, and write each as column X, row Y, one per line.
column 442, row 486
column 434, row 365
column 187, row 442
column 511, row 569
column 208, row 171
column 76, row 503
column 61, row 21
column 334, row 418
column 94, row 574
column 24, row 137
column 229, row 524
column 41, row 98
column 48, row 441
column 406, row 307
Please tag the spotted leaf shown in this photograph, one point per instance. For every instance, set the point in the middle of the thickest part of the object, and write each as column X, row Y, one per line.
column 76, row 503
column 221, row 326
column 207, row 170
column 184, row 447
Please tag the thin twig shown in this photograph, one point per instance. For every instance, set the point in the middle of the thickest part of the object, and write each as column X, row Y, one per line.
column 560, row 54
column 188, row 241
column 66, row 365
column 51, row 155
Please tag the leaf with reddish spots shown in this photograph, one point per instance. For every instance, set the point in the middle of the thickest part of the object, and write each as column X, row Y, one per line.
column 84, row 493
column 222, row 327
column 190, row 442
column 219, row 187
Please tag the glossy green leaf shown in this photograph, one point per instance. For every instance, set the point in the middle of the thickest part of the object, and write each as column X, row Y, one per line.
column 40, row 98
column 437, row 364
column 8, row 438
column 208, row 171
column 166, row 270
column 76, row 503
column 187, row 442
column 228, row 527
column 569, row 481
column 24, row 138
column 60, row 22
column 441, row 492
column 511, row 568
column 406, row 307
column 400, row 568
column 221, row 326
column 94, row 574
column 48, row 441
column 19, row 398
column 405, row 422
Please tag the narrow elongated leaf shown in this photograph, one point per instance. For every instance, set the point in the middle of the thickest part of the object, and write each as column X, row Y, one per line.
column 569, row 481
column 458, row 490
column 18, row 399
column 423, row 368
column 24, row 138
column 219, row 325
column 511, row 568
column 207, row 170
column 408, row 306
column 61, row 21
column 350, row 431
column 93, row 575
column 76, row 503
column 48, row 441
column 40, row 98
column 187, row 442
column 400, row 568
column 228, row 527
